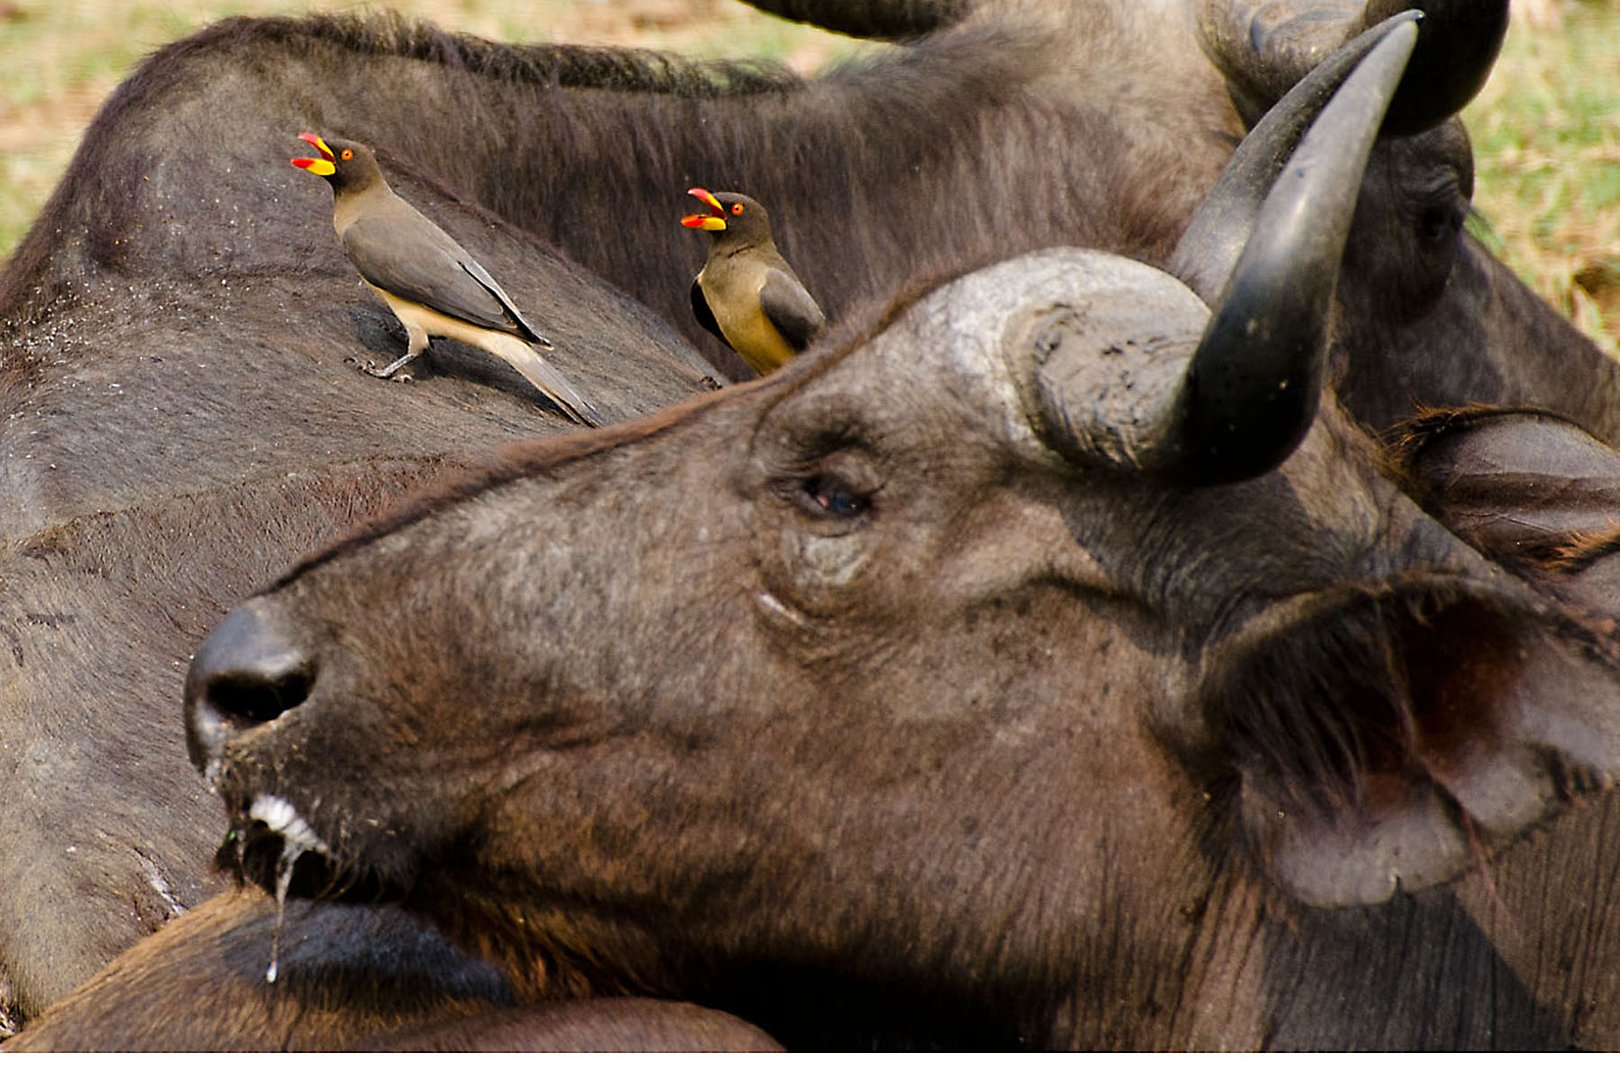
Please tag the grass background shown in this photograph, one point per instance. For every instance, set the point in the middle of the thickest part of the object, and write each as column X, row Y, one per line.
column 1546, row 132
column 1546, row 128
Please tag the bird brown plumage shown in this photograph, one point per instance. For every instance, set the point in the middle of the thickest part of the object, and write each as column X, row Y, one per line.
column 427, row 279
column 746, row 294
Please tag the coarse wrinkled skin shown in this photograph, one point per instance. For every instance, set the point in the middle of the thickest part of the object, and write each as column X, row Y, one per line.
column 882, row 732
column 177, row 421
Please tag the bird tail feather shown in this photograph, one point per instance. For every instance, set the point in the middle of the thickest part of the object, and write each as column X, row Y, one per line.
column 549, row 381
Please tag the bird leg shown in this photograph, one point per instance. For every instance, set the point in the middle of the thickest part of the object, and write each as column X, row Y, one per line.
column 388, row 372
column 415, row 344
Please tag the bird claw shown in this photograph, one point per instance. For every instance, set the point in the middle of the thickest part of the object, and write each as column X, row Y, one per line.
column 392, row 372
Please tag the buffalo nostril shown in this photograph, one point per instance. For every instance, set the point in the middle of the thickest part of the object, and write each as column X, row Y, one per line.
column 248, row 698
column 248, row 672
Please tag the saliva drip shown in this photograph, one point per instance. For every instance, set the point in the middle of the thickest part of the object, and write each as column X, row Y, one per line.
column 290, row 851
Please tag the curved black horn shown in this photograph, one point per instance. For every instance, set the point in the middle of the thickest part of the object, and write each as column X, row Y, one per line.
column 884, row 19
column 1121, row 366
column 1252, row 389
column 1225, row 220
column 1264, row 48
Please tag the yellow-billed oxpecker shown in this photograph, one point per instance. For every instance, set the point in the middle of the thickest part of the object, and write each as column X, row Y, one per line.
column 746, row 294
column 427, row 279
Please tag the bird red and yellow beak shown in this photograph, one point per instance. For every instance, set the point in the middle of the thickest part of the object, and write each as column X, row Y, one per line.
column 714, row 222
column 321, row 166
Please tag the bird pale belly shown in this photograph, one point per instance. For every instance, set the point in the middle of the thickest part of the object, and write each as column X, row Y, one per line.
column 439, row 325
column 746, row 327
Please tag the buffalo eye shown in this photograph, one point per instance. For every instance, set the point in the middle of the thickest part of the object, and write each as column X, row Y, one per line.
column 1440, row 222
column 831, row 497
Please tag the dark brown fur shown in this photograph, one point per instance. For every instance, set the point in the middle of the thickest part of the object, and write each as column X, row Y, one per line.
column 1528, row 488
column 202, row 414
column 1525, row 486
column 864, row 18
column 518, row 460
column 176, row 325
column 1065, row 784
column 349, row 979
column 602, row 1025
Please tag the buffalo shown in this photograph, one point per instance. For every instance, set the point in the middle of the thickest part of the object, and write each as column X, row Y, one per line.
column 170, row 441
column 354, row 978
column 180, row 422
column 1026, row 705
column 1011, row 127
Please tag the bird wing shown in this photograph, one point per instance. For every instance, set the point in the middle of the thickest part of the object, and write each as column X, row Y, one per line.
column 705, row 315
column 414, row 259
column 525, row 328
column 790, row 308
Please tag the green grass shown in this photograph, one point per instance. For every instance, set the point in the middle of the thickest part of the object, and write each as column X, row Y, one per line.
column 1546, row 134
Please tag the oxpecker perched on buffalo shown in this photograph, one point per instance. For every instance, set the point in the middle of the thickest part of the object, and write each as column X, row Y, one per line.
column 427, row 279
column 746, row 294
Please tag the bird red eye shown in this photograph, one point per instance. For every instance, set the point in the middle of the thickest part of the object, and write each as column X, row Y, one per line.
column 347, row 154
column 736, row 209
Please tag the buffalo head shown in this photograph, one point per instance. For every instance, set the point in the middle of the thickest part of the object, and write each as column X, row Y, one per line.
column 980, row 679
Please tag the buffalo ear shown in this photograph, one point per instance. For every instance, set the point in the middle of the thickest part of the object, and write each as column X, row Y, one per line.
column 1527, row 488
column 1398, row 740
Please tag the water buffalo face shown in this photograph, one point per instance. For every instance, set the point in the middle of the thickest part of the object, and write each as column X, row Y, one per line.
column 699, row 680
column 850, row 667
column 1410, row 232
column 963, row 660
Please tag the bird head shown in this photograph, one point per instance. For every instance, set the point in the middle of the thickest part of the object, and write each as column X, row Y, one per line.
column 347, row 166
column 737, row 218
